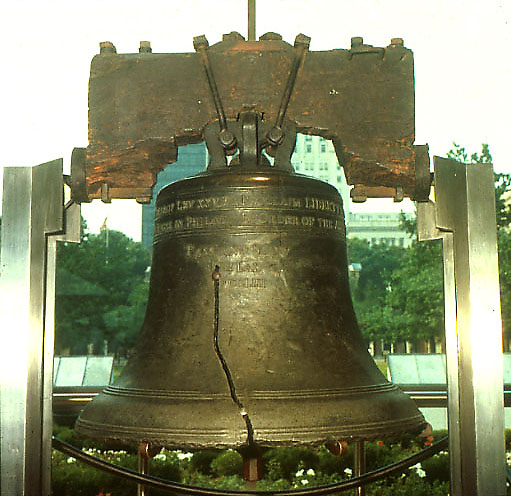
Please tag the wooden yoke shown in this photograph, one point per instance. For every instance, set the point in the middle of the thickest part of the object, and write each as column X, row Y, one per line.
column 143, row 106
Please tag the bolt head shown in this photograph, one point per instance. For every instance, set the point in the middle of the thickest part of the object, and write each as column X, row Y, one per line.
column 107, row 47
column 302, row 40
column 357, row 41
column 200, row 42
column 397, row 41
column 275, row 135
column 145, row 47
column 227, row 139
column 270, row 37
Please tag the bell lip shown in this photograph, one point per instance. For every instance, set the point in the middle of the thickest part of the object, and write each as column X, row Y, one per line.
column 229, row 439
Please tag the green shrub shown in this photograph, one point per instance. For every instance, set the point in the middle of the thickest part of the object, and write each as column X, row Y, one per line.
column 508, row 439
column 437, row 467
column 166, row 465
column 330, row 464
column 201, row 461
column 70, row 477
column 411, row 485
column 70, row 436
column 228, row 463
column 283, row 463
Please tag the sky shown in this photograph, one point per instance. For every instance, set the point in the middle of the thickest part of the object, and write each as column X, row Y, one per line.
column 461, row 47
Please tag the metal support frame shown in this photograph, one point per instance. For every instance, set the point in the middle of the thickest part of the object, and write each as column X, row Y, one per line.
column 463, row 216
column 359, row 465
column 34, row 219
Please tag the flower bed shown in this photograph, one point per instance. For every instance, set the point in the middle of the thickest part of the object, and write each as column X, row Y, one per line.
column 284, row 468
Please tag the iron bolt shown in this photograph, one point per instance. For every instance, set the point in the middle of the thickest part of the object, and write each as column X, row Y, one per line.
column 200, row 42
column 275, row 135
column 107, row 47
column 302, row 40
column 145, row 47
column 357, row 41
column 397, row 41
column 226, row 138
column 270, row 37
column 233, row 36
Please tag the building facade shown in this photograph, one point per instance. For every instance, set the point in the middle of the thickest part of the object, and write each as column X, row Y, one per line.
column 383, row 228
column 315, row 156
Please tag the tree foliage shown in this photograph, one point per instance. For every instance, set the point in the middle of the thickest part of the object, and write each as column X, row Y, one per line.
column 400, row 291
column 109, row 302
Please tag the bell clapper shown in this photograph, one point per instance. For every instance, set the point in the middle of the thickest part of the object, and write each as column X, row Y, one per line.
column 252, row 466
column 146, row 451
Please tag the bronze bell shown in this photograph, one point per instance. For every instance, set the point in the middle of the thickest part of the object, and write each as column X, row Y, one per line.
column 250, row 334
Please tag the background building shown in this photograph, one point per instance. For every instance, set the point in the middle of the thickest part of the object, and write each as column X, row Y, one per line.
column 378, row 228
column 315, row 156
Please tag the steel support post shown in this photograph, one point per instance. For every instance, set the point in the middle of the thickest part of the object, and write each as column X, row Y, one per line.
column 463, row 216
column 33, row 220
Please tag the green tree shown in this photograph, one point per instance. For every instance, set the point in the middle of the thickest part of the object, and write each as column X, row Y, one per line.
column 369, row 290
column 101, row 291
column 414, row 306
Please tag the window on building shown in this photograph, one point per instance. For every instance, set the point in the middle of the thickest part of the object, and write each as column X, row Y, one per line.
column 309, row 148
column 308, row 138
column 323, row 147
column 401, row 241
column 373, row 241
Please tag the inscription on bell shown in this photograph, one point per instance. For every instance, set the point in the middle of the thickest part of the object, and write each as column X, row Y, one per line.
column 245, row 283
column 248, row 201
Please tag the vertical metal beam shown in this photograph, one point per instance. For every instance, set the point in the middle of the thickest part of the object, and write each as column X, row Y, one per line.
column 359, row 465
column 251, row 20
column 465, row 220
column 32, row 211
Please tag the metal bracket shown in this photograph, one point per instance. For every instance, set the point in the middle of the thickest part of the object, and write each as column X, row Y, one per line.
column 34, row 219
column 463, row 216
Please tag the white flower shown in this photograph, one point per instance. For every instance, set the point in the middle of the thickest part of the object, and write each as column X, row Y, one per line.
column 160, row 456
column 310, row 472
column 419, row 470
column 348, row 471
column 304, row 481
column 184, row 456
column 71, row 460
column 421, row 473
column 300, row 473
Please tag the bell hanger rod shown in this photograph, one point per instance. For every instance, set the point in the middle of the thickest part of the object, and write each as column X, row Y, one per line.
column 251, row 20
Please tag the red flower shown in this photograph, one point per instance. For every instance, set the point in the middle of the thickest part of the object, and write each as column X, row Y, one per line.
column 379, row 443
column 430, row 439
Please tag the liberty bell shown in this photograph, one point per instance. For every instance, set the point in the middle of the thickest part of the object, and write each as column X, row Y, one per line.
column 250, row 336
